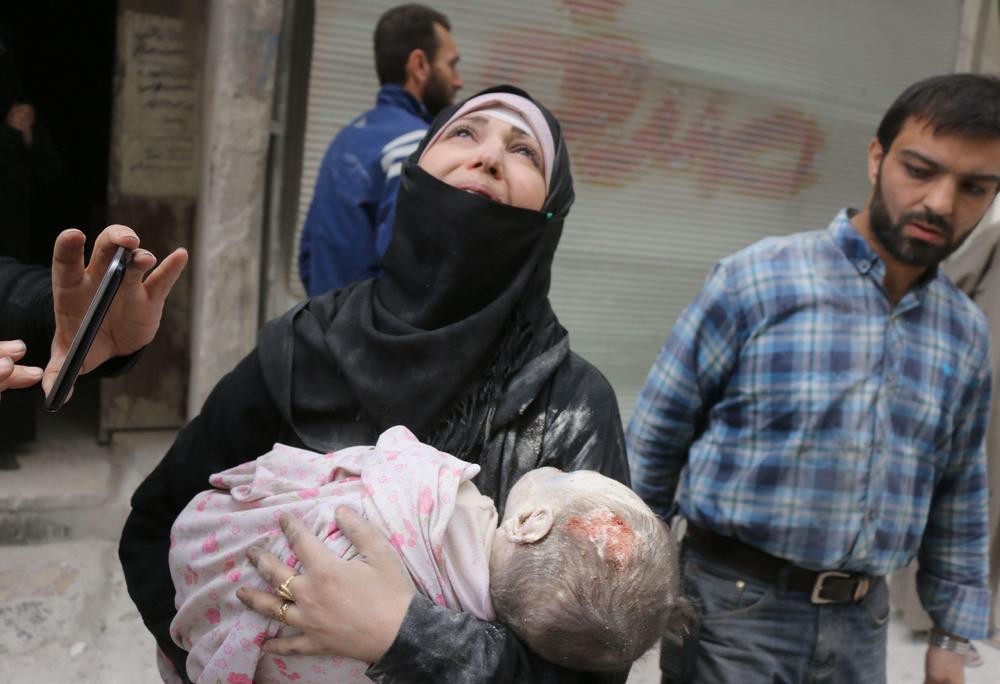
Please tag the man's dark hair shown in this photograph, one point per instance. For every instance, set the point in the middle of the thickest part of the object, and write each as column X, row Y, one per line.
column 400, row 31
column 955, row 104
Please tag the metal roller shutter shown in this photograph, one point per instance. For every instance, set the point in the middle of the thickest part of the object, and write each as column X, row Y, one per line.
column 695, row 128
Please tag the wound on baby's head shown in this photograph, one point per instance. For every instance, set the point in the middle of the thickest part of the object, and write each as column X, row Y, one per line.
column 598, row 591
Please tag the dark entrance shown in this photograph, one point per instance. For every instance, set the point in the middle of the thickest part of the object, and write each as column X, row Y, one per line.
column 57, row 58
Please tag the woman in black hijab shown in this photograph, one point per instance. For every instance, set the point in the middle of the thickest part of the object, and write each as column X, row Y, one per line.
column 455, row 340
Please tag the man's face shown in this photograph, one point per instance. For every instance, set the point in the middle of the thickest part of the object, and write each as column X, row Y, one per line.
column 930, row 191
column 444, row 81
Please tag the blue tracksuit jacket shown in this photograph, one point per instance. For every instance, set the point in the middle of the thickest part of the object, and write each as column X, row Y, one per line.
column 354, row 204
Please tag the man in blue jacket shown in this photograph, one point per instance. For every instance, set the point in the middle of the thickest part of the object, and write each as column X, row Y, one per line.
column 354, row 204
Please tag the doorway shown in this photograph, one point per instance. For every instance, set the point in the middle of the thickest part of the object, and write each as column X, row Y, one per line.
column 57, row 57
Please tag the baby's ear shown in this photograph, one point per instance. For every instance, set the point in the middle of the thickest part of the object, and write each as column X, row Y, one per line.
column 528, row 527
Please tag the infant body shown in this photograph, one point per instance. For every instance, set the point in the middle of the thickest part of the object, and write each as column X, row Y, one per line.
column 446, row 534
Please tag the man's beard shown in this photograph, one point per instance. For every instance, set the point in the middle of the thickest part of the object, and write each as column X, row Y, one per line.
column 437, row 94
column 905, row 249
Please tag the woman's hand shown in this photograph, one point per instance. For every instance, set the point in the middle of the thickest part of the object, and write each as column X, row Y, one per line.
column 347, row 608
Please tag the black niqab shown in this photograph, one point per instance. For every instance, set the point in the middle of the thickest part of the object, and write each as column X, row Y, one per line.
column 454, row 339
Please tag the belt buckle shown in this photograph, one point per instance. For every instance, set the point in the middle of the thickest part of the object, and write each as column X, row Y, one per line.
column 864, row 584
column 818, row 586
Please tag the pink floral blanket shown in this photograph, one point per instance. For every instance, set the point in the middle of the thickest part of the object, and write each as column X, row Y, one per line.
column 406, row 488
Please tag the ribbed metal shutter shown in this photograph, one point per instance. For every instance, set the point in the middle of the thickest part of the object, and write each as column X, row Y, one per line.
column 695, row 128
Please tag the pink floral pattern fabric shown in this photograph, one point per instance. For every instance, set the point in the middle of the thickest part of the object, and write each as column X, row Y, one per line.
column 406, row 488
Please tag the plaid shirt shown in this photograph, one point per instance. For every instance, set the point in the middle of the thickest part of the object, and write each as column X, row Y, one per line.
column 824, row 425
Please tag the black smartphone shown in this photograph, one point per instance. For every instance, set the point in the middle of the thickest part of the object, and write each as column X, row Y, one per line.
column 96, row 312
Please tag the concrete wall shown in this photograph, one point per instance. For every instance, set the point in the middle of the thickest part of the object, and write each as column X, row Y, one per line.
column 194, row 85
column 241, row 50
column 152, row 186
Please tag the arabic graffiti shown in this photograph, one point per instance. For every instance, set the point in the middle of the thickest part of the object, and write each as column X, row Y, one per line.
column 625, row 116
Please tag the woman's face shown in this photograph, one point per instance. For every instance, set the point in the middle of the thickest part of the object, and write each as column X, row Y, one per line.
column 489, row 157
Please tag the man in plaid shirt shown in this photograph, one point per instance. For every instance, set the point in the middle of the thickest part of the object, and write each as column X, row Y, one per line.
column 828, row 393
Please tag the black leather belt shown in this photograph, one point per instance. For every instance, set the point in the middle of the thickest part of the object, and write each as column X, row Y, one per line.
column 830, row 586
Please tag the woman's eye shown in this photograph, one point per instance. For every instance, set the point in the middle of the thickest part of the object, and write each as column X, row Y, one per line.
column 528, row 152
column 460, row 132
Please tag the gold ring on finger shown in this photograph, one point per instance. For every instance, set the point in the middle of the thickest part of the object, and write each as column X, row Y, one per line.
column 281, row 612
column 284, row 591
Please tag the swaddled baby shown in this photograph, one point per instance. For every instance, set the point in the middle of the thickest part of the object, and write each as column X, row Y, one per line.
column 580, row 568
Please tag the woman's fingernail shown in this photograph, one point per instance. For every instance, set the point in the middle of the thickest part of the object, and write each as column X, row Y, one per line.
column 241, row 594
column 253, row 553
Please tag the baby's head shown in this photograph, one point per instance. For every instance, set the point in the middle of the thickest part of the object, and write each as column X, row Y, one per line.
column 583, row 571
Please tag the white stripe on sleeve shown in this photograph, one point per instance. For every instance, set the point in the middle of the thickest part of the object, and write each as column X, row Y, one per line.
column 396, row 155
column 404, row 139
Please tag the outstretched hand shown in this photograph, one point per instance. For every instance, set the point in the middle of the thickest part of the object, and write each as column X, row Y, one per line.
column 347, row 608
column 135, row 313
column 944, row 667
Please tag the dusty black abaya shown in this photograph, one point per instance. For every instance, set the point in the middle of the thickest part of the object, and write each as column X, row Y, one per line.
column 455, row 340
